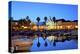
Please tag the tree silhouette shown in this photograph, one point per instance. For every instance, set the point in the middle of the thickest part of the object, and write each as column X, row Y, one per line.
column 54, row 43
column 75, row 21
column 45, row 18
column 38, row 19
column 45, row 44
column 54, row 19
column 22, row 21
column 27, row 18
column 38, row 44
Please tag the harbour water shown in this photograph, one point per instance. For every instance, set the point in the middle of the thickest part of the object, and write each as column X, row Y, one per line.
column 72, row 44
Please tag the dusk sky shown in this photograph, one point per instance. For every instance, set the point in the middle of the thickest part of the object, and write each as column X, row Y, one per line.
column 33, row 10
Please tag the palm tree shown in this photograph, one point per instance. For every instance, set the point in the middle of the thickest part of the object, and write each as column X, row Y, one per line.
column 54, row 43
column 54, row 19
column 45, row 19
column 27, row 18
column 22, row 21
column 38, row 19
column 45, row 44
column 38, row 44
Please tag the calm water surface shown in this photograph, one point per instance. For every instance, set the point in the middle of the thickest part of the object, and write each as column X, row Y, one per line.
column 72, row 44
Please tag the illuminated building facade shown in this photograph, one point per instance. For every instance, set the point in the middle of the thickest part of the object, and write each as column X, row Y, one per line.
column 50, row 25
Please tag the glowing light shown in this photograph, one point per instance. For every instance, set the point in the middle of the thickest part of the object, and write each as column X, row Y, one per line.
column 76, row 26
column 34, row 28
column 50, row 27
column 57, row 27
column 68, row 27
column 16, row 23
column 51, row 38
column 14, row 28
column 24, row 27
column 60, row 27
column 41, row 27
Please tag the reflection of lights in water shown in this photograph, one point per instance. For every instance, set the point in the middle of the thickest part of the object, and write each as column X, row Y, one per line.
column 51, row 38
column 52, row 45
column 44, row 37
column 35, row 36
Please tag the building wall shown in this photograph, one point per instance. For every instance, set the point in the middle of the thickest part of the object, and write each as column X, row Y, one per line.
column 54, row 26
column 67, row 25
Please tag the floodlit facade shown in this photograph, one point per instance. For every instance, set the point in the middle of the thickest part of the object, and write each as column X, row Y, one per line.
column 50, row 25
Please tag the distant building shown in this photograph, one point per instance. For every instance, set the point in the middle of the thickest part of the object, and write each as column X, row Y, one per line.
column 50, row 25
column 62, row 24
